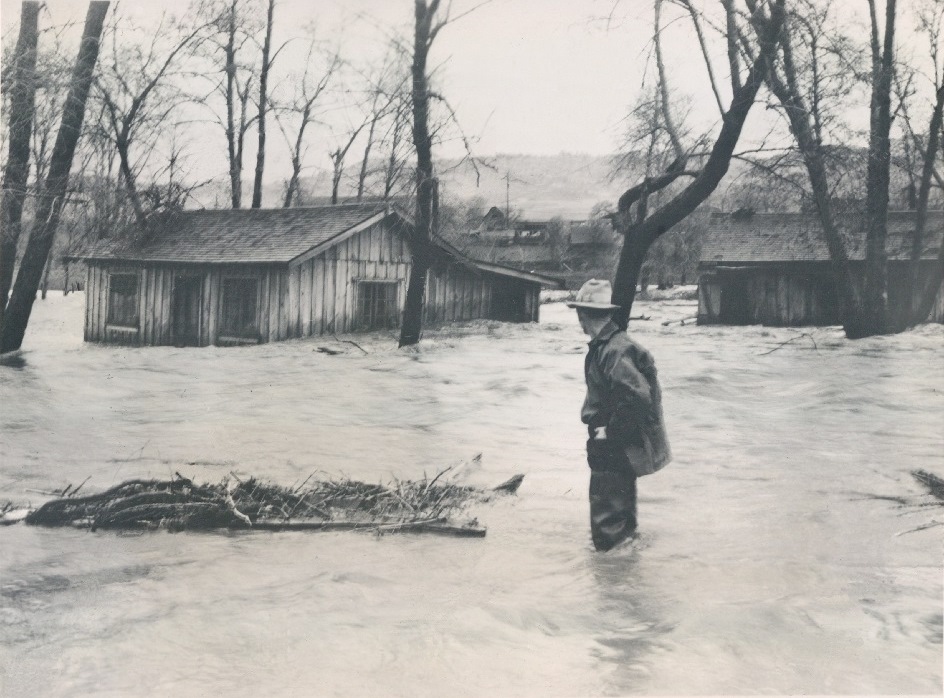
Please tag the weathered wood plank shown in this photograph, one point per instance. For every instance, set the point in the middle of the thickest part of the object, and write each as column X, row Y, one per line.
column 146, row 307
column 340, row 299
column 304, row 302
column 331, row 264
column 317, row 300
column 167, row 307
column 274, row 294
column 375, row 239
column 294, row 301
column 93, row 276
column 284, row 304
column 262, row 305
column 783, row 300
column 213, row 300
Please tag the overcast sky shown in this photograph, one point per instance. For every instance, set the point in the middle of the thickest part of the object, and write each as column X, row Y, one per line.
column 525, row 76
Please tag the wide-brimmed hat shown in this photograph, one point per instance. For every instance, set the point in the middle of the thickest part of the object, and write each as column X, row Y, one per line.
column 594, row 295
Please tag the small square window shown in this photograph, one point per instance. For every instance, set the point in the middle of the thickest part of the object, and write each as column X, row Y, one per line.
column 377, row 306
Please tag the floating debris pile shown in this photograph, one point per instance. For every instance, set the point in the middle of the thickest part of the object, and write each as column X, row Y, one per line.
column 934, row 483
column 179, row 504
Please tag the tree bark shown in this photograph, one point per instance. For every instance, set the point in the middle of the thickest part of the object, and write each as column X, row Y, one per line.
column 874, row 316
column 234, row 154
column 263, row 107
column 426, row 190
column 49, row 206
column 16, row 173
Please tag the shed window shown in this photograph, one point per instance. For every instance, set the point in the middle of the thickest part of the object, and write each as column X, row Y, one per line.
column 377, row 306
column 123, row 300
column 239, row 318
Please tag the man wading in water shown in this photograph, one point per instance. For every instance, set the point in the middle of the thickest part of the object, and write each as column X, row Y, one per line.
column 623, row 414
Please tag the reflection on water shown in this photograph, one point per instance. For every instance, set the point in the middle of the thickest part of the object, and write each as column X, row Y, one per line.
column 768, row 560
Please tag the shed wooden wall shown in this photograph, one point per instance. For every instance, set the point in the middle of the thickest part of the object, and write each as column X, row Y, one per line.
column 455, row 293
column 790, row 298
column 322, row 290
column 312, row 297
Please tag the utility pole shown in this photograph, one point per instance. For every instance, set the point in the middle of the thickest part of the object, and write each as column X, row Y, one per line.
column 507, row 197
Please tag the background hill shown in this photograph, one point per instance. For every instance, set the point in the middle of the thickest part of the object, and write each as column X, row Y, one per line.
column 537, row 186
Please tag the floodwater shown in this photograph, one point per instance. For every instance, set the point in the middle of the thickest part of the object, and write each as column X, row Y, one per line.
column 774, row 554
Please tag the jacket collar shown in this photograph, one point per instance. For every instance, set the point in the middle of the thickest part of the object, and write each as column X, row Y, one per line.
column 606, row 334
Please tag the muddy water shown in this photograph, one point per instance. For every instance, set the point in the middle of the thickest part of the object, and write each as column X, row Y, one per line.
column 767, row 562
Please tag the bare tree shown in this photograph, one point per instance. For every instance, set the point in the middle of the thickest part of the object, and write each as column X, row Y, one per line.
column 16, row 172
column 310, row 88
column 138, row 89
column 338, row 156
column 426, row 27
column 398, row 147
column 639, row 228
column 388, row 84
column 264, row 69
column 232, row 29
column 808, row 49
column 49, row 208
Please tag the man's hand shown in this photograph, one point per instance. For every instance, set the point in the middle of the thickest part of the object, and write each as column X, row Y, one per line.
column 599, row 433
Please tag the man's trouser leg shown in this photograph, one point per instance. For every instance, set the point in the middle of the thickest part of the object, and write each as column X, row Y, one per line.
column 612, row 496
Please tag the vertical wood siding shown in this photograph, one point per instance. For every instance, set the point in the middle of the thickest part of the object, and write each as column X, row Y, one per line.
column 313, row 297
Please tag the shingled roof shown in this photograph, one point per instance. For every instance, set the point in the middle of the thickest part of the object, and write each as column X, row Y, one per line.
column 239, row 236
column 798, row 237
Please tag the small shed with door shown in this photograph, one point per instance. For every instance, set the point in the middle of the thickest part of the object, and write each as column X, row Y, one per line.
column 229, row 277
column 774, row 268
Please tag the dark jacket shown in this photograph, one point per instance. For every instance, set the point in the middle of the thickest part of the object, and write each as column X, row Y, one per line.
column 623, row 395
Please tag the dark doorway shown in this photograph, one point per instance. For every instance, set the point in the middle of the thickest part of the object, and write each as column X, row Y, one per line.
column 509, row 302
column 735, row 301
column 188, row 292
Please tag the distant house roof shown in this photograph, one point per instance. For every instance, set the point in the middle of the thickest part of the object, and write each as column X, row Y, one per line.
column 798, row 237
column 521, row 256
column 263, row 236
column 240, row 236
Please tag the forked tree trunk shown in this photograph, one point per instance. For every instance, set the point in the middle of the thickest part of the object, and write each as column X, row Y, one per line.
column 639, row 235
column 420, row 242
column 16, row 173
column 49, row 206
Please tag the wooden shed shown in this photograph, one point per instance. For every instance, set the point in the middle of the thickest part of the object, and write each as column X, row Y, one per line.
column 774, row 268
column 230, row 277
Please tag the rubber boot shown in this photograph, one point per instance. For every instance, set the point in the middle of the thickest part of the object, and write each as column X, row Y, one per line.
column 612, row 508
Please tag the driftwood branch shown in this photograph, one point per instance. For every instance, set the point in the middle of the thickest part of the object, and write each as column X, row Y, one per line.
column 792, row 339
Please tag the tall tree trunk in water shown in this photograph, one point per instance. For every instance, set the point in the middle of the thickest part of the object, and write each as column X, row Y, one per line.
column 16, row 173
column 802, row 124
column 874, row 318
column 639, row 233
column 49, row 206
column 426, row 192
column 263, row 107
column 919, row 304
column 44, row 285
